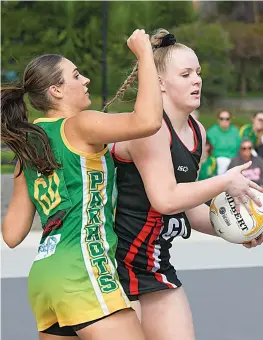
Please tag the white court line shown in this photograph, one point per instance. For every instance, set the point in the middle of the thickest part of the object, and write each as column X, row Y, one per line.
column 199, row 252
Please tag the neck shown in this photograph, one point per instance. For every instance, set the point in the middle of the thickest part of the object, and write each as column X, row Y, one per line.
column 62, row 112
column 224, row 129
column 177, row 116
column 246, row 158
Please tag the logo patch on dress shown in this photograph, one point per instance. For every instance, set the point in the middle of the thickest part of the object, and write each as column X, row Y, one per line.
column 48, row 247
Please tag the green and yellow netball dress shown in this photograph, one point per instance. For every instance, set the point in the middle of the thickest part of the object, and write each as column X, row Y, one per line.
column 73, row 278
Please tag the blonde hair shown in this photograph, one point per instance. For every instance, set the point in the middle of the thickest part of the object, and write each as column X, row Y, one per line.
column 161, row 57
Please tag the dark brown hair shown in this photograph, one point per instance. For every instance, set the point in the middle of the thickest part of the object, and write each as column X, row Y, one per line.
column 161, row 57
column 28, row 141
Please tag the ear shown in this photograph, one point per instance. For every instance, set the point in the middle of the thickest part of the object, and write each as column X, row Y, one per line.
column 56, row 91
column 161, row 83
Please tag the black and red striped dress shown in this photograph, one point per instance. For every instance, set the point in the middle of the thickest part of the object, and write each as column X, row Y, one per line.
column 144, row 235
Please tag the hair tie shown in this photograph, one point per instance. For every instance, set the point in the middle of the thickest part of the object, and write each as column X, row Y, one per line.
column 168, row 39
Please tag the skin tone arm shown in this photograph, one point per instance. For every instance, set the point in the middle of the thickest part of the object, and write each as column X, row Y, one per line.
column 152, row 158
column 20, row 213
column 100, row 128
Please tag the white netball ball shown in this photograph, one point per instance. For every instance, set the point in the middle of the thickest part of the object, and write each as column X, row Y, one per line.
column 236, row 227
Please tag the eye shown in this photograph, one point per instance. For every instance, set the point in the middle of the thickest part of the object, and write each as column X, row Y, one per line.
column 185, row 75
column 199, row 73
column 77, row 76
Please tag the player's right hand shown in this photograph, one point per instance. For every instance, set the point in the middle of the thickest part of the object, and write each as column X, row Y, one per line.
column 139, row 43
column 239, row 187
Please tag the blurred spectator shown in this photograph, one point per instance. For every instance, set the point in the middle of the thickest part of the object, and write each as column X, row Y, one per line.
column 225, row 140
column 208, row 166
column 9, row 76
column 195, row 114
column 255, row 172
column 260, row 151
column 254, row 131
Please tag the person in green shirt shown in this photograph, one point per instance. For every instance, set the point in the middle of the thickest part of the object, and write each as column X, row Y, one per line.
column 209, row 165
column 225, row 140
column 254, row 131
column 65, row 172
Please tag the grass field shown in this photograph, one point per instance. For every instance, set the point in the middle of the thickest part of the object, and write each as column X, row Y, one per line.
column 207, row 118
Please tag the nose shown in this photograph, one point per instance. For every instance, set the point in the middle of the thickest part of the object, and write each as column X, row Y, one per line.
column 86, row 81
column 197, row 80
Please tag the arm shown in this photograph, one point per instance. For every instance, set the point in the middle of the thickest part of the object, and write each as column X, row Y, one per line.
column 152, row 158
column 99, row 128
column 20, row 214
column 199, row 219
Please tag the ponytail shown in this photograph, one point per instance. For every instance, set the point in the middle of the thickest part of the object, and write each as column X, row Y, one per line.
column 28, row 141
column 127, row 83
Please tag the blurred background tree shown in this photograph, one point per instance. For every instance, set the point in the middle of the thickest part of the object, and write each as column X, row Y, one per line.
column 226, row 35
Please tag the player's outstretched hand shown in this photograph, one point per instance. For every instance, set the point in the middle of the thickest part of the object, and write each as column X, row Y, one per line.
column 256, row 242
column 240, row 187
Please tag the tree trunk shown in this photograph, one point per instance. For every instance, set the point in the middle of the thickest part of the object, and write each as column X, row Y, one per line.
column 256, row 12
column 243, row 79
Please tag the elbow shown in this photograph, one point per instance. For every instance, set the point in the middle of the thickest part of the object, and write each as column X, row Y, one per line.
column 147, row 125
column 167, row 207
column 10, row 241
column 152, row 127
column 12, row 245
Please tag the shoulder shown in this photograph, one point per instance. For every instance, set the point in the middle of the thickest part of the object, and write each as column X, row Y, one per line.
column 212, row 128
column 201, row 128
column 234, row 129
column 258, row 160
column 245, row 128
column 202, row 131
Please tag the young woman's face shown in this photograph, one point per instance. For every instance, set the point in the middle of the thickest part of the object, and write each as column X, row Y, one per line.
column 246, row 149
column 182, row 80
column 224, row 120
column 74, row 89
column 258, row 122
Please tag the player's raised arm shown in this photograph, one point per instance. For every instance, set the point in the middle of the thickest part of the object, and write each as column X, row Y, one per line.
column 145, row 120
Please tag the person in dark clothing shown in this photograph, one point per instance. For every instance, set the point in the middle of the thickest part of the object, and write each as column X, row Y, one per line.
column 255, row 172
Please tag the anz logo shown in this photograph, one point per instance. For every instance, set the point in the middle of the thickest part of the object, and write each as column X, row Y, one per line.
column 182, row 168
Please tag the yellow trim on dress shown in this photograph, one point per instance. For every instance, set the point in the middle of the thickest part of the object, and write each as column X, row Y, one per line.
column 76, row 151
column 46, row 119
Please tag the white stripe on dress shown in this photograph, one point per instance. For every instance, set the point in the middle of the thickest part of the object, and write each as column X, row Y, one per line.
column 84, row 249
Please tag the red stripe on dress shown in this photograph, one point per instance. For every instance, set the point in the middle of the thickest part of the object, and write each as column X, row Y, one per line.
column 113, row 152
column 134, row 248
column 150, row 253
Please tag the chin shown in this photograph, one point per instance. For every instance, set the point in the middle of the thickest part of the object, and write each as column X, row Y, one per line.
column 191, row 107
column 87, row 104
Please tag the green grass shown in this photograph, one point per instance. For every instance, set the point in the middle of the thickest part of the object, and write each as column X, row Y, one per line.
column 6, row 162
column 7, row 156
column 7, row 168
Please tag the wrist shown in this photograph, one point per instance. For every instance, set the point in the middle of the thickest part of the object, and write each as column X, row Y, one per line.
column 145, row 56
column 226, row 181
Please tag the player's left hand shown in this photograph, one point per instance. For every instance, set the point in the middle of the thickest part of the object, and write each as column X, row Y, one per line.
column 256, row 242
